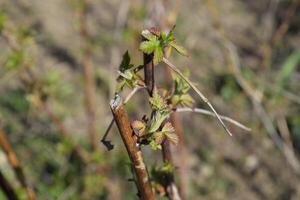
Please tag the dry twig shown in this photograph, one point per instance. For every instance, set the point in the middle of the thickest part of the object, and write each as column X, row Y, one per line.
column 177, row 71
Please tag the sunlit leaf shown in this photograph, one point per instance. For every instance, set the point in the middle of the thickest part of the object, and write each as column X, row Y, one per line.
column 150, row 46
column 157, row 119
column 158, row 55
column 125, row 64
column 156, row 101
column 154, row 145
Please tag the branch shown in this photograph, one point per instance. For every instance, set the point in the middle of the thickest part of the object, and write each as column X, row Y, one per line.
column 135, row 154
column 149, row 71
column 15, row 164
column 207, row 112
column 105, row 142
column 176, row 70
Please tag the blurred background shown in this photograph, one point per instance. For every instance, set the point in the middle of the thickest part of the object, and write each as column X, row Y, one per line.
column 58, row 69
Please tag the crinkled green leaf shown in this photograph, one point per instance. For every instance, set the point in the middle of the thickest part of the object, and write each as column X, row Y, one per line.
column 156, row 101
column 154, row 145
column 157, row 119
column 150, row 46
column 181, row 86
column 158, row 55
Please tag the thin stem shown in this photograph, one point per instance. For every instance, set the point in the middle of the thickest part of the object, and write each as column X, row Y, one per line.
column 176, row 70
column 15, row 164
column 170, row 186
column 135, row 154
column 207, row 112
column 181, row 157
column 149, row 72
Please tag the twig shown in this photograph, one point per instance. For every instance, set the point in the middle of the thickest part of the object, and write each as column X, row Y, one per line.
column 135, row 154
column 176, row 70
column 105, row 142
column 15, row 164
column 7, row 188
column 207, row 112
column 176, row 122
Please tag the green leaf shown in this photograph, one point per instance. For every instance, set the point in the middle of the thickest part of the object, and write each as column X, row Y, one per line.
column 156, row 101
column 125, row 64
column 158, row 55
column 126, row 74
column 154, row 145
column 186, row 100
column 181, row 50
column 150, row 46
column 157, row 119
column 181, row 86
column 170, row 37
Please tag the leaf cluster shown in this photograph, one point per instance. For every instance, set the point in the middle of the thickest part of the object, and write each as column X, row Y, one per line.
column 180, row 95
column 155, row 131
column 128, row 74
column 157, row 42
